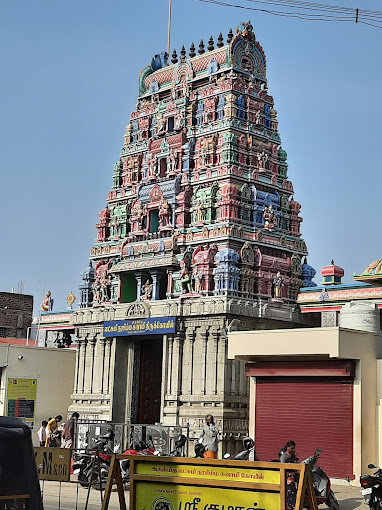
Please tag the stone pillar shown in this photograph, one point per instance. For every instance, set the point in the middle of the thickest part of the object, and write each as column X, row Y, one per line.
column 102, row 344
column 90, row 372
column 107, row 384
column 138, row 276
column 213, row 361
column 203, row 338
column 156, row 278
column 177, row 366
column 189, row 356
column 221, row 355
column 170, row 345
column 170, row 283
column 81, row 385
column 78, row 364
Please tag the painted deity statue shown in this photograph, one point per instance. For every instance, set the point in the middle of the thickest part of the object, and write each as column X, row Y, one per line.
column 185, row 277
column 140, row 213
column 179, row 121
column 164, row 213
column 173, row 157
column 278, row 284
column 152, row 163
column 199, row 212
column 47, row 302
column 270, row 218
column 198, row 280
column 147, row 291
column 161, row 125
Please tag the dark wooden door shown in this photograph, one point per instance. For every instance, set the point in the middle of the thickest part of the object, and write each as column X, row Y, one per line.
column 150, row 381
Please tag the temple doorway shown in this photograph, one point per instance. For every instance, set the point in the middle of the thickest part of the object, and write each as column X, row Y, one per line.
column 150, row 380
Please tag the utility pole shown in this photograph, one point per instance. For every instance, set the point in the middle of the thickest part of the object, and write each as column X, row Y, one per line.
column 169, row 27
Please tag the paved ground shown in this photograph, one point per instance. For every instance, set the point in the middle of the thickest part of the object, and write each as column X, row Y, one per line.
column 349, row 498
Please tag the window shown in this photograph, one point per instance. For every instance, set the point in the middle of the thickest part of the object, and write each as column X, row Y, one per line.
column 170, row 125
column 154, row 221
column 3, row 332
column 163, row 167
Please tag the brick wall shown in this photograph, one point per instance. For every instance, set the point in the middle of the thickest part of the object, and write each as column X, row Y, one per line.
column 16, row 312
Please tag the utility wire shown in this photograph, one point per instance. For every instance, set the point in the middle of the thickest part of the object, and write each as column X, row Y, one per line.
column 315, row 12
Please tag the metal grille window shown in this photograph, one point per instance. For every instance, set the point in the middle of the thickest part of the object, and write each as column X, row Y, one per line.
column 3, row 332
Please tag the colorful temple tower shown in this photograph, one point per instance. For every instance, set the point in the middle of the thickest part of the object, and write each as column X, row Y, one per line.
column 201, row 229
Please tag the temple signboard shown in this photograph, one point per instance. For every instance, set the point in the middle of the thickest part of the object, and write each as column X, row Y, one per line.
column 149, row 326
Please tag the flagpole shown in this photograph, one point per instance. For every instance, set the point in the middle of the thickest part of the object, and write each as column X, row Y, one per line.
column 169, row 27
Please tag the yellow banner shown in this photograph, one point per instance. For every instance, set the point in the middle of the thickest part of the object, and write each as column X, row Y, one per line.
column 208, row 472
column 21, row 398
column 162, row 496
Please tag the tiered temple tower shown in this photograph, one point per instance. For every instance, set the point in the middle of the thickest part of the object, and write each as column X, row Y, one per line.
column 201, row 226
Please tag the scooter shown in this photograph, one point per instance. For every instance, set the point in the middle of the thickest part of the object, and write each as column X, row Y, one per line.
column 249, row 447
column 321, row 482
column 372, row 488
column 86, row 466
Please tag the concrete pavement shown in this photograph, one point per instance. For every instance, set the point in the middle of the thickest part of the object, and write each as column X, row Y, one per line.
column 349, row 497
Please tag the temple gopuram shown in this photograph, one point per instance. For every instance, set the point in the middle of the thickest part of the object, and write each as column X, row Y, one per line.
column 200, row 236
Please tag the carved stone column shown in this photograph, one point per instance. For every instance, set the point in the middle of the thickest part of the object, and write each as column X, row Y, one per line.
column 177, row 366
column 203, row 334
column 78, row 363
column 156, row 278
column 102, row 344
column 188, row 361
column 214, row 360
column 170, row 345
column 90, row 372
column 107, row 383
column 222, row 356
column 82, row 366
column 138, row 276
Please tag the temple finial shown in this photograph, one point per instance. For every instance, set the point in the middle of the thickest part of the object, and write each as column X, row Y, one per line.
column 229, row 36
column 211, row 46
column 174, row 58
column 201, row 49
column 192, row 50
column 220, row 42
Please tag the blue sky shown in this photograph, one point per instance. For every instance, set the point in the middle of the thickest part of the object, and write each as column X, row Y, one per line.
column 69, row 81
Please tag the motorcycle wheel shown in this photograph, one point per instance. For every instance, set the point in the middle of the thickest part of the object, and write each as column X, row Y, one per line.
column 96, row 482
column 332, row 502
column 83, row 481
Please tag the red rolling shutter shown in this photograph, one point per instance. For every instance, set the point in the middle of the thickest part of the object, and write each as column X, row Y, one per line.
column 314, row 412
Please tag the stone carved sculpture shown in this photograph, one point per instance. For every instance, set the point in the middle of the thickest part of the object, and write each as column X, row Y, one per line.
column 147, row 291
column 270, row 218
column 47, row 302
column 164, row 213
column 185, row 277
column 278, row 284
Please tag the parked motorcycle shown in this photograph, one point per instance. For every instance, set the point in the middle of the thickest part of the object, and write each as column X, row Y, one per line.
column 179, row 442
column 249, row 447
column 86, row 466
column 372, row 488
column 140, row 448
column 321, row 482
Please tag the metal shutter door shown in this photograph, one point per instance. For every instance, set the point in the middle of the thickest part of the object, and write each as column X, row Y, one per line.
column 315, row 412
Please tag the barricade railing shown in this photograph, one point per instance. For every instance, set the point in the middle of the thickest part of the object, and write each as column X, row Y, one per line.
column 54, row 465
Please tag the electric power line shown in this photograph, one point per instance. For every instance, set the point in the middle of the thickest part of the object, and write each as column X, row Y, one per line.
column 314, row 12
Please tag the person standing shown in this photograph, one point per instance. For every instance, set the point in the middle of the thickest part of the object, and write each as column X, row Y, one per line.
column 210, row 437
column 51, row 428
column 69, row 430
column 41, row 433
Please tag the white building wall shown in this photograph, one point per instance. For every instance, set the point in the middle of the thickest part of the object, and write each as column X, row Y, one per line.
column 54, row 371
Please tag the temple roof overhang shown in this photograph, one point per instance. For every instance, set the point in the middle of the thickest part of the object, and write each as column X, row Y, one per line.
column 144, row 263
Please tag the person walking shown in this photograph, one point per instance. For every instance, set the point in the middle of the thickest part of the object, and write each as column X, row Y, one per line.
column 41, row 433
column 209, row 437
column 289, row 453
column 51, row 428
column 69, row 430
